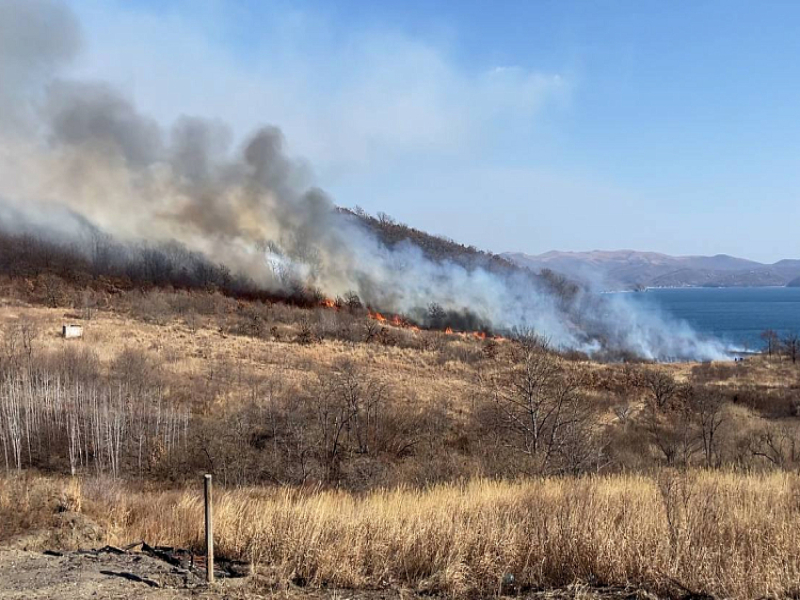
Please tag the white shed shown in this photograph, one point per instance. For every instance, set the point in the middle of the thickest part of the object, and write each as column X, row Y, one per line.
column 71, row 331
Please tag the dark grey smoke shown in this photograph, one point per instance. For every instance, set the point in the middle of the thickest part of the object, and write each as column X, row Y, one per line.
column 37, row 37
column 93, row 116
column 251, row 206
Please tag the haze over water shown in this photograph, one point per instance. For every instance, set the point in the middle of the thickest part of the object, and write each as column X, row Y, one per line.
column 736, row 316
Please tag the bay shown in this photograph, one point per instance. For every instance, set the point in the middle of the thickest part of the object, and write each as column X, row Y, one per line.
column 735, row 316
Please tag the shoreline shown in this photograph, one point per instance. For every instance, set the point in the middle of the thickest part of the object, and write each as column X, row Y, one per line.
column 700, row 287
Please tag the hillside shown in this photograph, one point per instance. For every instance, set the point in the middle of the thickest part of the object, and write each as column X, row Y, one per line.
column 347, row 446
column 352, row 453
column 629, row 269
column 436, row 248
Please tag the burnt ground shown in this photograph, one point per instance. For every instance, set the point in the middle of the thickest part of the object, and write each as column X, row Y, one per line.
column 82, row 575
column 77, row 575
column 33, row 565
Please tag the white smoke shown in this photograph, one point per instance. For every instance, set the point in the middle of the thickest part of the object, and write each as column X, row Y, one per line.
column 83, row 147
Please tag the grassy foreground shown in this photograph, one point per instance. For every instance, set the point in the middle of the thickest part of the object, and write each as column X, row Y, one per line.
column 728, row 534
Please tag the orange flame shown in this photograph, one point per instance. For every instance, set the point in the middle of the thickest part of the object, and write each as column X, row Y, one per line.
column 479, row 334
column 394, row 320
column 328, row 302
column 449, row 330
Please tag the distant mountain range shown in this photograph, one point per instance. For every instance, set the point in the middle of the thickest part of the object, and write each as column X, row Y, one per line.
column 629, row 269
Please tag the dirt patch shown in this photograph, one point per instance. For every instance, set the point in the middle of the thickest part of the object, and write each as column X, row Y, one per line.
column 78, row 575
column 85, row 575
column 73, row 575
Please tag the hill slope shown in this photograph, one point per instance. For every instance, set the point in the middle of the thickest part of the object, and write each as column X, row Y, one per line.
column 629, row 269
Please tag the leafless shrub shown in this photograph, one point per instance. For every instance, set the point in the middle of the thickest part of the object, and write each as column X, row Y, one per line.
column 71, row 364
column 19, row 340
column 790, row 344
column 136, row 369
column 771, row 341
column 53, row 290
column 306, row 335
column 87, row 304
column 714, row 373
column 387, row 336
column 372, row 330
column 707, row 408
column 252, row 320
column 153, row 307
column 459, row 351
column 774, row 444
column 661, row 386
column 349, row 412
column 623, row 412
column 770, row 402
column 539, row 406
column 193, row 321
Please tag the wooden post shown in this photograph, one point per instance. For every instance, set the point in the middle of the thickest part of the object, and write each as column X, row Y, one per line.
column 209, row 532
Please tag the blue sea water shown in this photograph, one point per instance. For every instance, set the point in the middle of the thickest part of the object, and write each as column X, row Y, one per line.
column 736, row 316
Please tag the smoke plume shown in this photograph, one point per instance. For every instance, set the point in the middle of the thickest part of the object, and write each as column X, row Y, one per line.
column 84, row 148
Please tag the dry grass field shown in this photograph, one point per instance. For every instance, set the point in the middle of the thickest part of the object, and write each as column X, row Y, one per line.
column 405, row 464
column 729, row 535
column 189, row 355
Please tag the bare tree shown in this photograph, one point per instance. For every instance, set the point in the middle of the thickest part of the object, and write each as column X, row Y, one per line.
column 707, row 406
column 674, row 435
column 661, row 385
column 623, row 412
column 386, row 219
column 352, row 302
column 372, row 330
column 348, row 414
column 771, row 341
column 12, row 415
column 88, row 304
column 307, row 335
column 540, row 408
column 53, row 289
column 776, row 445
column 791, row 346
column 194, row 321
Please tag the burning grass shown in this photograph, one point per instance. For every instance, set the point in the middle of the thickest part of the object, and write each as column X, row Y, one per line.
column 730, row 535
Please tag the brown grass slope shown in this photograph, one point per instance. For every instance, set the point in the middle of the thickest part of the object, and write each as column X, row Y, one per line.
column 352, row 453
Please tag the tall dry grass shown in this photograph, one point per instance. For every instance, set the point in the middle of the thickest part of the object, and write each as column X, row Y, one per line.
column 732, row 535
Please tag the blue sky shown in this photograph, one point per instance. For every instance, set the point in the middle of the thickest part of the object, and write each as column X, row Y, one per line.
column 521, row 126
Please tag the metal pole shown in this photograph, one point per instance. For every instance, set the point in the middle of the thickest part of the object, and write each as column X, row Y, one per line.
column 209, row 532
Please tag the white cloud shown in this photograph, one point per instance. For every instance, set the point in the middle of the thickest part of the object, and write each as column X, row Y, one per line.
column 351, row 103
